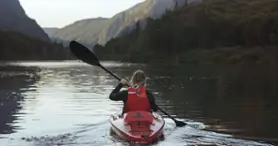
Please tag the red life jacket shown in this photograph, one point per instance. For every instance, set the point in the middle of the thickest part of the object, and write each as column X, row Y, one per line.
column 137, row 101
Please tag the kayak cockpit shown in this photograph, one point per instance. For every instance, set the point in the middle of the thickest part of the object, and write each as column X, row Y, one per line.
column 138, row 126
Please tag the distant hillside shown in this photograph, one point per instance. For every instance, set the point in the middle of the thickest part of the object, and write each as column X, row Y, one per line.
column 126, row 20
column 13, row 17
column 50, row 31
column 84, row 31
column 207, row 25
column 101, row 30
column 18, row 46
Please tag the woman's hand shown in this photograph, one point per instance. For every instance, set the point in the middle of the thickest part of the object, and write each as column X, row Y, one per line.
column 124, row 82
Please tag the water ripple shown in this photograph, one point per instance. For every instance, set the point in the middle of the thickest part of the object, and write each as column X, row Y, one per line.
column 68, row 104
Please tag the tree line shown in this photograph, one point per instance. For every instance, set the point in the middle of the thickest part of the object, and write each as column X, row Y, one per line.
column 209, row 24
column 17, row 46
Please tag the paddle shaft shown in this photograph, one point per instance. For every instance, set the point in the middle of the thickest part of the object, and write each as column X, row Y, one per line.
column 166, row 113
column 110, row 72
column 84, row 54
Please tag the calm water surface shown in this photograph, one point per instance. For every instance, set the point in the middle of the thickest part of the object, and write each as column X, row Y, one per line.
column 66, row 104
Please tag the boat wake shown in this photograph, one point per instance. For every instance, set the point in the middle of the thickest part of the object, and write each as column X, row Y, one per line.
column 99, row 134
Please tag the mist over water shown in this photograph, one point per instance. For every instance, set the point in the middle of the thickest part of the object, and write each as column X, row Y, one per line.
column 66, row 103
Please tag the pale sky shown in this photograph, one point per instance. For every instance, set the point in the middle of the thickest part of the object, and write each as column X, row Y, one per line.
column 58, row 13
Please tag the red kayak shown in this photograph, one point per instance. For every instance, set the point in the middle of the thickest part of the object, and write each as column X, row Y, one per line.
column 139, row 126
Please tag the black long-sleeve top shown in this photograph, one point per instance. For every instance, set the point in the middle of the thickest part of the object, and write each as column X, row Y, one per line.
column 117, row 95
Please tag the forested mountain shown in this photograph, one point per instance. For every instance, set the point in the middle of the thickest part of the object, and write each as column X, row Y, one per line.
column 21, row 38
column 126, row 20
column 14, row 18
column 207, row 25
column 101, row 30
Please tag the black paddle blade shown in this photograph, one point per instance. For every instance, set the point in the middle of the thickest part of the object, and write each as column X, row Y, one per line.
column 180, row 123
column 83, row 53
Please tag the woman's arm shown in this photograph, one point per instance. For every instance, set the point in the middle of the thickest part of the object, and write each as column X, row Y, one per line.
column 152, row 101
column 117, row 95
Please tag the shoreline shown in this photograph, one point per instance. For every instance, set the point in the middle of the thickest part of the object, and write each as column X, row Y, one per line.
column 215, row 57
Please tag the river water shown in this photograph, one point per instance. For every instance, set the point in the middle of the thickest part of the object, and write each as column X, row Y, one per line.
column 67, row 104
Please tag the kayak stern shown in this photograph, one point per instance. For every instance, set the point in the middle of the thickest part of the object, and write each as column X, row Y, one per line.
column 141, row 127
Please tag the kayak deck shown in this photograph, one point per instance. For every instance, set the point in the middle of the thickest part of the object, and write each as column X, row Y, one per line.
column 138, row 126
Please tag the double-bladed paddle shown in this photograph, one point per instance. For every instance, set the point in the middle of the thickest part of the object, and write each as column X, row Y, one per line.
column 84, row 54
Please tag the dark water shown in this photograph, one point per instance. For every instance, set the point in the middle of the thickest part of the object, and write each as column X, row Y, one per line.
column 66, row 103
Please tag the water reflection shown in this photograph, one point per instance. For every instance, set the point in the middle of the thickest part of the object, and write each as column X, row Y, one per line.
column 239, row 101
column 8, row 107
column 12, row 79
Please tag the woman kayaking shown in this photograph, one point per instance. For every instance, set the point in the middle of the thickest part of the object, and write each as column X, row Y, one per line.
column 136, row 97
column 138, row 122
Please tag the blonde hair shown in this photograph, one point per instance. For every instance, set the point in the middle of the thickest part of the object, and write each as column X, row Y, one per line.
column 138, row 78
